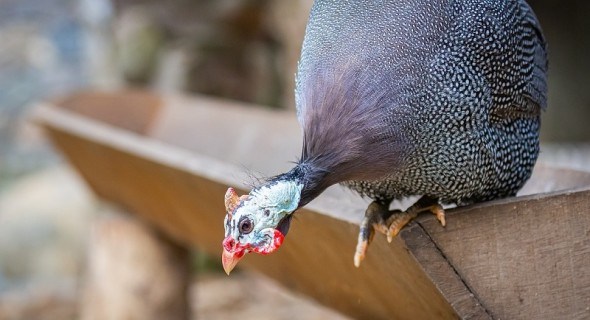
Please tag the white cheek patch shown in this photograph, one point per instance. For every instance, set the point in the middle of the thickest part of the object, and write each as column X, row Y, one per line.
column 281, row 195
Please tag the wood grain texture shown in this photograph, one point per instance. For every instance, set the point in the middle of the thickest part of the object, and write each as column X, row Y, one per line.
column 523, row 260
column 443, row 273
column 175, row 170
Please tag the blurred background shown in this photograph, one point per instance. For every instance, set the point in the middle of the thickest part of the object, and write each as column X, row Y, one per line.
column 238, row 49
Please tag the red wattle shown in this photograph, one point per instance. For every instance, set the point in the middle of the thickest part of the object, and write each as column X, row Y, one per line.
column 276, row 242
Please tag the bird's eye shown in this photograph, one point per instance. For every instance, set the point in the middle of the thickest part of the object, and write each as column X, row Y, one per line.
column 266, row 212
column 246, row 226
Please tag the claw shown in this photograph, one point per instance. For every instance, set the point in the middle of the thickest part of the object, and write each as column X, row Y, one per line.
column 439, row 212
column 366, row 235
column 361, row 249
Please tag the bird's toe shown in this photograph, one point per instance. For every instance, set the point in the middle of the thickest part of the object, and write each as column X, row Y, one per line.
column 439, row 212
column 397, row 222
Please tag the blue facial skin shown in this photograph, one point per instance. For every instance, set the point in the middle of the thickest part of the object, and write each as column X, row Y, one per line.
column 264, row 208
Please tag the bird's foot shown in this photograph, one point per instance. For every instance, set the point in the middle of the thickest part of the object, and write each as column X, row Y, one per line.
column 375, row 219
column 398, row 221
column 379, row 218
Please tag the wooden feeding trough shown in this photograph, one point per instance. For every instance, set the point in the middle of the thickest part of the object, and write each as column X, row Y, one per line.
column 170, row 159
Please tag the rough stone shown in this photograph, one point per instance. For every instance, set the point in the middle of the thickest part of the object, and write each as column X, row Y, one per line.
column 44, row 219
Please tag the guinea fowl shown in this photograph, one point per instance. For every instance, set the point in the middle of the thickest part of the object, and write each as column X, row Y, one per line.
column 440, row 99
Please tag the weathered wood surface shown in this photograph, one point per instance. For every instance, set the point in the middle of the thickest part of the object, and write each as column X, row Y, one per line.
column 527, row 260
column 150, row 169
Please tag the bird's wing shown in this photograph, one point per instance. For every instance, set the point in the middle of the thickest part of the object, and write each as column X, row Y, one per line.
column 531, row 73
column 536, row 89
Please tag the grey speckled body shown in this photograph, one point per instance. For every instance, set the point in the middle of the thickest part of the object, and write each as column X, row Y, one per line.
column 420, row 97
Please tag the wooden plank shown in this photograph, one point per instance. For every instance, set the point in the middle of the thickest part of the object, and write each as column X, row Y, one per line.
column 134, row 110
column 254, row 138
column 523, row 260
column 421, row 275
column 179, row 192
column 443, row 273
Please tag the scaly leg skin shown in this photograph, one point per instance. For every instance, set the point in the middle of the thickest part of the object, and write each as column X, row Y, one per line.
column 378, row 217
column 375, row 219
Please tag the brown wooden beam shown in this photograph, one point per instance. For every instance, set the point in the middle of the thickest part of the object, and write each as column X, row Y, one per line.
column 175, row 168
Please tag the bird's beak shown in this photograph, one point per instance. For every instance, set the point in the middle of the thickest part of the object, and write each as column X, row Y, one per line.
column 233, row 252
column 230, row 260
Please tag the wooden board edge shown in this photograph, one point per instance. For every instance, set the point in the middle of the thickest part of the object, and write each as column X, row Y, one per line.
column 417, row 240
column 442, row 273
column 50, row 117
column 528, row 255
column 445, row 311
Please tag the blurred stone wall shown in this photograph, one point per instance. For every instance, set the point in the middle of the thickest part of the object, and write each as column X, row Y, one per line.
column 47, row 48
column 244, row 50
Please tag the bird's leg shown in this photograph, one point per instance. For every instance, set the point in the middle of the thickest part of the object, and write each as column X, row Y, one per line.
column 378, row 217
column 375, row 219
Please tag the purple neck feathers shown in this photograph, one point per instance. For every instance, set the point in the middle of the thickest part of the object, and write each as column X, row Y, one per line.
column 352, row 130
column 353, row 127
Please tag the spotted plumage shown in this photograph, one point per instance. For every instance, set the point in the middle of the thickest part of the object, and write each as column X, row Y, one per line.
column 459, row 86
column 397, row 98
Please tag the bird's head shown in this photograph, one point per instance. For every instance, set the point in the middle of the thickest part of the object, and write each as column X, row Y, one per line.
column 258, row 222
